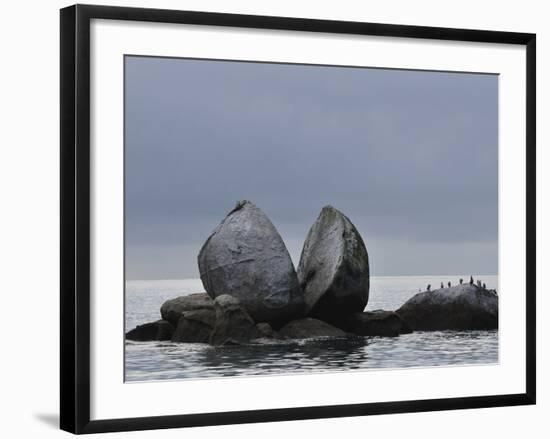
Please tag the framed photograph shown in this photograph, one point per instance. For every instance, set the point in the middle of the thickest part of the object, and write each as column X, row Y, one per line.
column 275, row 218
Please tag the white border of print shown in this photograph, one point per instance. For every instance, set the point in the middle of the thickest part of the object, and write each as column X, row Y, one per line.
column 112, row 398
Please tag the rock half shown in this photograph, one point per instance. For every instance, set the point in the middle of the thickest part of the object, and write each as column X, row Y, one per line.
column 334, row 268
column 246, row 258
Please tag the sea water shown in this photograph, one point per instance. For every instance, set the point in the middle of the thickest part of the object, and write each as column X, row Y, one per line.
column 168, row 361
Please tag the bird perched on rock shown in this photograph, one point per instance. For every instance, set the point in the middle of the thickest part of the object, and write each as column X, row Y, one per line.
column 479, row 283
column 461, row 280
column 471, row 280
column 484, row 287
column 429, row 287
column 442, row 285
column 449, row 284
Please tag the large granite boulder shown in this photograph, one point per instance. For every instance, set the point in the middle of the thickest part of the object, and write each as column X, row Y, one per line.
column 460, row 307
column 233, row 323
column 246, row 258
column 159, row 330
column 375, row 323
column 334, row 268
column 172, row 309
column 195, row 326
column 310, row 328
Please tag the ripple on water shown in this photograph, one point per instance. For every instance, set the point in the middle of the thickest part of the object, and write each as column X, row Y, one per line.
column 166, row 360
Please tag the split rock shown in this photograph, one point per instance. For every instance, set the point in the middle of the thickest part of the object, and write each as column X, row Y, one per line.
column 245, row 257
column 334, row 268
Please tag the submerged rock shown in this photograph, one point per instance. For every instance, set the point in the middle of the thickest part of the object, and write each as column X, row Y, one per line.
column 195, row 326
column 460, row 307
column 310, row 328
column 233, row 324
column 159, row 330
column 246, row 258
column 375, row 323
column 334, row 268
column 266, row 331
column 172, row 309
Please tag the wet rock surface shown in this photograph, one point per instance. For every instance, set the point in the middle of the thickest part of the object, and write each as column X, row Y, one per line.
column 375, row 323
column 266, row 331
column 310, row 328
column 195, row 326
column 233, row 323
column 154, row 331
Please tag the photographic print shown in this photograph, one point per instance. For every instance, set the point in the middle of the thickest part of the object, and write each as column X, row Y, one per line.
column 251, row 204
column 293, row 218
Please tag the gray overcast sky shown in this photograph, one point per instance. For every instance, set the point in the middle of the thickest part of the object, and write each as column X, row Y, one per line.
column 409, row 156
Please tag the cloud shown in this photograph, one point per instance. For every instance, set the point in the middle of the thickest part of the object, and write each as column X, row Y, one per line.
column 410, row 157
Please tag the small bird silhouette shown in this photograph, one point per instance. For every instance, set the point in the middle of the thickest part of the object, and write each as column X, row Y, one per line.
column 429, row 287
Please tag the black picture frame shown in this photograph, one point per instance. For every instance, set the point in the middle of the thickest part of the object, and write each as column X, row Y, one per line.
column 75, row 217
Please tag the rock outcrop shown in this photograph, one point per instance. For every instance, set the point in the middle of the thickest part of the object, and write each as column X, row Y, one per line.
column 172, row 309
column 195, row 326
column 461, row 307
column 334, row 268
column 253, row 291
column 154, row 331
column 310, row 328
column 246, row 258
column 375, row 323
column 233, row 324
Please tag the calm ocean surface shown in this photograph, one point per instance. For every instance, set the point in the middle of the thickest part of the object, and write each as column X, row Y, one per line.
column 166, row 360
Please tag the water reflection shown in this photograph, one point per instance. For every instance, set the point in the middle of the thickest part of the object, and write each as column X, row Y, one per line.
column 284, row 356
column 166, row 360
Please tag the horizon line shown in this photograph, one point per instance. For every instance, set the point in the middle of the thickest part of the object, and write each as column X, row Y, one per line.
column 385, row 276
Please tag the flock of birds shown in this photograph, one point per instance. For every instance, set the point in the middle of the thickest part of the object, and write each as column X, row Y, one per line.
column 479, row 284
